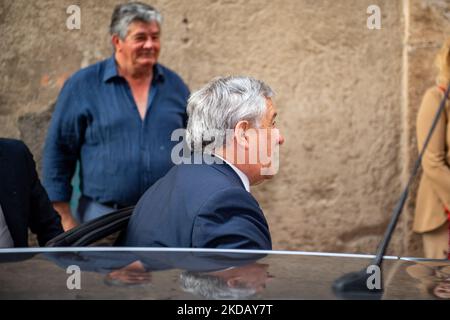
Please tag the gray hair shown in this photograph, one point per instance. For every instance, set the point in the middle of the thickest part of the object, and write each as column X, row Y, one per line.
column 212, row 287
column 125, row 14
column 220, row 105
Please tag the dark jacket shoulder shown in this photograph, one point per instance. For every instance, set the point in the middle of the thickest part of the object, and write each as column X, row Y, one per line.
column 24, row 202
column 13, row 146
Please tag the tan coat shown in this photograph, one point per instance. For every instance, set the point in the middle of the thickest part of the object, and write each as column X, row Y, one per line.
column 434, row 189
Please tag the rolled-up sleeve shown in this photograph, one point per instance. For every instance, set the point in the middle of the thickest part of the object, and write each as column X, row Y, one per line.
column 62, row 146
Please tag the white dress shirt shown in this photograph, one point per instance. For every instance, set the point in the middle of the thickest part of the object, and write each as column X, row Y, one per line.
column 241, row 175
column 5, row 236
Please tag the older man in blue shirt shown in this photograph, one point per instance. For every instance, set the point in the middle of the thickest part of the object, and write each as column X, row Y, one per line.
column 116, row 117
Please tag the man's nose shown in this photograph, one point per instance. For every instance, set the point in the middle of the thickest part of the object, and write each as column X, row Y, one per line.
column 148, row 43
column 280, row 139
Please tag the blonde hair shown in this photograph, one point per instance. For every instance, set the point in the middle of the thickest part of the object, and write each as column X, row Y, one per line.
column 442, row 62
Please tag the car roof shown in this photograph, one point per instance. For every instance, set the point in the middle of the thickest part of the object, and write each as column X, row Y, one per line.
column 44, row 273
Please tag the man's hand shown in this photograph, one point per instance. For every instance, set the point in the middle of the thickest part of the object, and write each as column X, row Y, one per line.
column 67, row 220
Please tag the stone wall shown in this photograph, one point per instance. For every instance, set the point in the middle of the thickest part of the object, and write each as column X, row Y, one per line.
column 347, row 95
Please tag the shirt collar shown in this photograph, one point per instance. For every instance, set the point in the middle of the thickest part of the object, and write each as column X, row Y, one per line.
column 110, row 71
column 241, row 175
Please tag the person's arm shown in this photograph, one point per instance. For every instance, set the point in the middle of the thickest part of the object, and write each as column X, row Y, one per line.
column 67, row 219
column 231, row 219
column 434, row 162
column 43, row 220
column 62, row 148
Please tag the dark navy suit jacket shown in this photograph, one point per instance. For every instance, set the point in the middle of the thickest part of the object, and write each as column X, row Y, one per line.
column 24, row 202
column 199, row 206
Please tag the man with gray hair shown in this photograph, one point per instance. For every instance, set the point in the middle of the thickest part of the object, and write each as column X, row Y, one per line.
column 209, row 205
column 234, row 283
column 116, row 118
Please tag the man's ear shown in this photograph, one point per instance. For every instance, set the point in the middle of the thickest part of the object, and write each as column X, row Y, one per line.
column 115, row 40
column 235, row 282
column 240, row 133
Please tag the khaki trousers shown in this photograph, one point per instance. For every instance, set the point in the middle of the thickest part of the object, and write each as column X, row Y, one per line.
column 435, row 243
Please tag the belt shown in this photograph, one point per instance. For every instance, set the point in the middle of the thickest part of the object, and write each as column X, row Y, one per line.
column 113, row 205
column 110, row 204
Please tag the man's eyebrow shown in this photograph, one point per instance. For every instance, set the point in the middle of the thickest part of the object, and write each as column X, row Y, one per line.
column 274, row 115
column 145, row 33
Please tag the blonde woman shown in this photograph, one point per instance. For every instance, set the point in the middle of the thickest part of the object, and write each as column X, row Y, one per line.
column 433, row 198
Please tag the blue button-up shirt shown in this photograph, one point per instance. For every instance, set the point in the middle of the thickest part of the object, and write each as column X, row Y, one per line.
column 96, row 121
